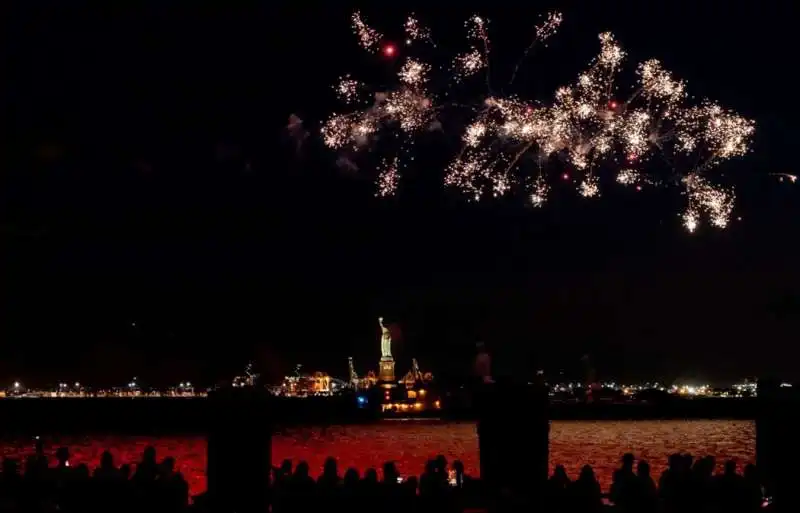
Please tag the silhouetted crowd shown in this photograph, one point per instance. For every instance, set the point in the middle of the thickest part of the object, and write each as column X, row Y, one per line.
column 153, row 486
column 687, row 485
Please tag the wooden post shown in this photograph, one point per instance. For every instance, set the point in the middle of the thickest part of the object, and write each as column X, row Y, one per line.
column 777, row 449
column 513, row 439
column 239, row 451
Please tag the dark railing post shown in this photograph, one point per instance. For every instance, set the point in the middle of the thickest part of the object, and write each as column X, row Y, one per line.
column 513, row 440
column 777, row 449
column 239, row 451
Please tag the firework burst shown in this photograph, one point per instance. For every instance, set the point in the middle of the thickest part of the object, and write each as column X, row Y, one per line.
column 512, row 143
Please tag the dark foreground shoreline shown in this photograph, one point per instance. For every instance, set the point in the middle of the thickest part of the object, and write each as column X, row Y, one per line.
column 146, row 416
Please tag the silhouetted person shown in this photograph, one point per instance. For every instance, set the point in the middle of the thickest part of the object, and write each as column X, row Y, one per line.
column 671, row 485
column 433, row 487
column 623, row 485
column 430, row 481
column 172, row 491
column 585, row 492
column 106, row 470
column 329, row 485
column 106, row 484
column 147, row 469
column 702, row 488
column 558, row 490
column 302, row 488
column 144, row 479
column 369, row 490
column 330, row 474
column 37, row 487
column 753, row 492
column 62, row 459
column 125, row 474
column 391, row 489
column 351, row 490
column 61, row 475
column 281, row 477
column 645, row 493
column 390, row 473
column 441, row 466
column 410, row 499
column 460, row 475
column 10, row 484
column 37, row 466
column 284, row 472
column 281, row 486
column 730, row 489
column 77, row 490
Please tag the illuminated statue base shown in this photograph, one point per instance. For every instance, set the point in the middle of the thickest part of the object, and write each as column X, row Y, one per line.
column 386, row 372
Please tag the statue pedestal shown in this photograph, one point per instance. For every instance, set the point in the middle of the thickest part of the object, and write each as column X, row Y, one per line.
column 386, row 371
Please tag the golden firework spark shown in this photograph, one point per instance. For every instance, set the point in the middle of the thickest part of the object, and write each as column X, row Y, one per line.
column 585, row 127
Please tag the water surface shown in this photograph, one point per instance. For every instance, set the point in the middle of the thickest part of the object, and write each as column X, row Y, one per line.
column 410, row 443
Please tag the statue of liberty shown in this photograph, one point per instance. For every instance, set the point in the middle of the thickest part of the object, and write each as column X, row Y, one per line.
column 386, row 341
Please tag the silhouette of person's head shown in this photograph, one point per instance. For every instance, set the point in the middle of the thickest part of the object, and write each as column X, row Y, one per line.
column 330, row 468
column 458, row 466
column 286, row 467
column 125, row 471
column 168, row 465
column 430, row 467
column 643, row 469
column 106, row 461
column 82, row 471
column 351, row 477
column 587, row 474
column 390, row 473
column 371, row 476
column 560, row 473
column 711, row 461
column 730, row 468
column 627, row 460
column 302, row 469
column 62, row 456
column 149, row 455
column 441, row 463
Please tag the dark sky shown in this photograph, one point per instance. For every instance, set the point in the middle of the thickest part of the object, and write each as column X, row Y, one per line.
column 147, row 178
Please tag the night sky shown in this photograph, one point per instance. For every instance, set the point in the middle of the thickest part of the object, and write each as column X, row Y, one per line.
column 157, row 221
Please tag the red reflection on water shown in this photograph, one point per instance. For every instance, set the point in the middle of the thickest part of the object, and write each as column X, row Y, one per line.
column 410, row 444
